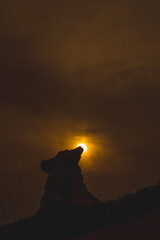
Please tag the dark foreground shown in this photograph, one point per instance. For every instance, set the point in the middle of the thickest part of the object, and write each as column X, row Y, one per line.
column 135, row 216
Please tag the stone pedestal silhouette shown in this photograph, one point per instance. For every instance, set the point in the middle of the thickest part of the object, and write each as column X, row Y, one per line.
column 65, row 183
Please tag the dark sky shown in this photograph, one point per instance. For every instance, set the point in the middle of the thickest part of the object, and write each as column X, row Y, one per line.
column 73, row 71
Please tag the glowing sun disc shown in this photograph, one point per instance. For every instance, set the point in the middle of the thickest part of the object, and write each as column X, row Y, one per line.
column 83, row 146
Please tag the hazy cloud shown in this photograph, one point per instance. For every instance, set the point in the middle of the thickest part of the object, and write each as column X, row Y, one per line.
column 87, row 69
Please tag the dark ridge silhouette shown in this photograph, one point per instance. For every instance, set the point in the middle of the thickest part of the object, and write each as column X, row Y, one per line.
column 69, row 211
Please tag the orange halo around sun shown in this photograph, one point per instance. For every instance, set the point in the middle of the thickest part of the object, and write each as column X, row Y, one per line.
column 83, row 146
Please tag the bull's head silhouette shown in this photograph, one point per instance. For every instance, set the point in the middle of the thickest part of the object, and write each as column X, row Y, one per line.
column 63, row 159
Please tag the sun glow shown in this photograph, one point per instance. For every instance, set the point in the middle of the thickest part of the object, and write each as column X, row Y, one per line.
column 83, row 146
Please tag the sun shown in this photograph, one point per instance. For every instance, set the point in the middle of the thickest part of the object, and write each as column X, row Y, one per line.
column 83, row 146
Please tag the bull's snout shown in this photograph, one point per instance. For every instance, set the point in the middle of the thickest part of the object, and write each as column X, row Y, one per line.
column 77, row 151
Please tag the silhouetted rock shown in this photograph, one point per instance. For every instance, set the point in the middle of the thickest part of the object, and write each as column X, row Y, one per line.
column 134, row 216
column 65, row 183
column 69, row 212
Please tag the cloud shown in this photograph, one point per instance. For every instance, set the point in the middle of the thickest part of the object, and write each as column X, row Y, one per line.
column 81, row 69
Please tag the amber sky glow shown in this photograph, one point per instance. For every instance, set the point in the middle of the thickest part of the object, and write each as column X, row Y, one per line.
column 79, row 71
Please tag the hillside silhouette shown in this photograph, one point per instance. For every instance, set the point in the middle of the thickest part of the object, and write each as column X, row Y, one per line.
column 69, row 211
